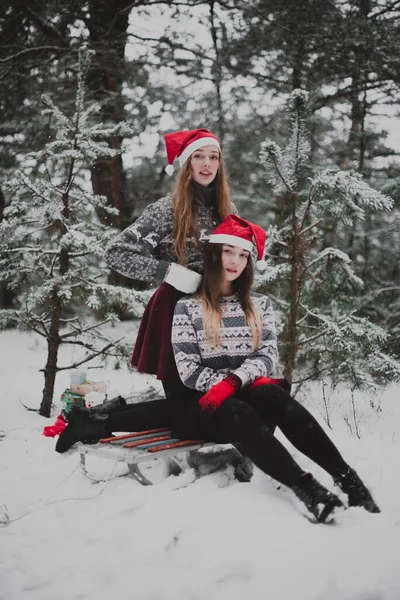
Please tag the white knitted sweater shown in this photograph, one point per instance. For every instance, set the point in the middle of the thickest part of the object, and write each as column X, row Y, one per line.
column 200, row 366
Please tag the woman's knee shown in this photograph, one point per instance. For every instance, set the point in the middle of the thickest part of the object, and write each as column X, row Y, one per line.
column 275, row 401
column 234, row 407
column 269, row 392
column 236, row 415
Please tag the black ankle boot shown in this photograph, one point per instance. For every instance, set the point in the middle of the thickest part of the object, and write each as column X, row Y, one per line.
column 318, row 500
column 78, row 413
column 358, row 495
column 82, row 429
column 97, row 414
column 109, row 406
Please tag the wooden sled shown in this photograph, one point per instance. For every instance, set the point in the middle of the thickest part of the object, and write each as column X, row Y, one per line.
column 137, row 448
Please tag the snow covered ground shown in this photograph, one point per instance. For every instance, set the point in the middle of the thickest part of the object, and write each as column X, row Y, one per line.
column 64, row 537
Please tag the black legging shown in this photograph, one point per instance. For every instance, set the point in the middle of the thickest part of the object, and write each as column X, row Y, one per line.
column 143, row 415
column 245, row 420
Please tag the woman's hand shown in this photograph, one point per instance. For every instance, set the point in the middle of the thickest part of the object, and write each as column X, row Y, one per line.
column 219, row 393
column 283, row 383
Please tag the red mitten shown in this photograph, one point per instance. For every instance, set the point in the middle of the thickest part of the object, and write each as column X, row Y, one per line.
column 283, row 383
column 56, row 429
column 219, row 393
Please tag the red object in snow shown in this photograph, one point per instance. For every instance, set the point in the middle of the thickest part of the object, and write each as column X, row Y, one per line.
column 57, row 428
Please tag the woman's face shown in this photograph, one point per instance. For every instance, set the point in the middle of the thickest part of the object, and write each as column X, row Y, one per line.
column 205, row 163
column 234, row 261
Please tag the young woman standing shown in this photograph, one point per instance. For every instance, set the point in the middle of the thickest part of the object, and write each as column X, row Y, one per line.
column 165, row 245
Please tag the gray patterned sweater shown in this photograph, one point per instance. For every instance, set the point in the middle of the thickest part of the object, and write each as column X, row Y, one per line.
column 200, row 366
column 145, row 249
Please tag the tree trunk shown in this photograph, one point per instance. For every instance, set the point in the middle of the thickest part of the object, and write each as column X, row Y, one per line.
column 359, row 81
column 290, row 330
column 108, row 26
column 217, row 77
column 53, row 339
column 53, row 344
column 6, row 296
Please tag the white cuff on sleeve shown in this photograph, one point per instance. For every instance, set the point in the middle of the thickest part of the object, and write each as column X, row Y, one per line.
column 183, row 279
column 241, row 373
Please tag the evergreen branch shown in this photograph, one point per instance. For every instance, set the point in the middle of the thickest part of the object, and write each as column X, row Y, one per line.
column 347, row 93
column 25, row 249
column 313, row 338
column 306, row 327
column 30, row 322
column 392, row 288
column 32, row 222
column 328, row 252
column 69, row 320
column 81, row 331
column 29, row 50
column 53, row 263
column 305, row 214
column 29, row 249
column 47, row 27
column 265, row 17
column 371, row 297
column 40, row 228
column 303, row 318
column 173, row 45
column 325, row 331
column 84, row 360
column 388, row 9
column 80, row 254
column 33, row 328
column 174, row 3
column 35, row 191
column 275, row 163
column 307, row 229
column 314, row 374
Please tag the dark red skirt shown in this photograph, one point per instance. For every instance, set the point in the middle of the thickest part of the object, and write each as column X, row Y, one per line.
column 153, row 349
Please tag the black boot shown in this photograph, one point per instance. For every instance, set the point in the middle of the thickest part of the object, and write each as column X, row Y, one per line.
column 109, row 406
column 358, row 495
column 83, row 429
column 318, row 500
column 97, row 414
column 78, row 413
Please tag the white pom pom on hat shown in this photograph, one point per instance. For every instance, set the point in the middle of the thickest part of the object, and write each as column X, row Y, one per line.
column 181, row 144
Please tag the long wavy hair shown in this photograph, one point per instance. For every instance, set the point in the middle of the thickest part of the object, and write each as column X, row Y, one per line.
column 185, row 208
column 209, row 293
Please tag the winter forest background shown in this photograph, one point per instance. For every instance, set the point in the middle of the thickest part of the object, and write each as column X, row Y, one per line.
column 305, row 99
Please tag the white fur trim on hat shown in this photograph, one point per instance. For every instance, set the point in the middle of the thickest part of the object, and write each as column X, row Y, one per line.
column 204, row 141
column 232, row 240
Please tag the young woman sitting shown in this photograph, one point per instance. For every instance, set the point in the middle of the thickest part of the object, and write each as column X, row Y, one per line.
column 225, row 349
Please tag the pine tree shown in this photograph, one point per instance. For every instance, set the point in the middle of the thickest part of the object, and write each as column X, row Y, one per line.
column 321, row 292
column 52, row 243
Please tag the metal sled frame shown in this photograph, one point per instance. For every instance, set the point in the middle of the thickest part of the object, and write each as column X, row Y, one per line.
column 143, row 446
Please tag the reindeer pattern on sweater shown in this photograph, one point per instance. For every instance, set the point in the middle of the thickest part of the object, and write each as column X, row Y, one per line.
column 200, row 366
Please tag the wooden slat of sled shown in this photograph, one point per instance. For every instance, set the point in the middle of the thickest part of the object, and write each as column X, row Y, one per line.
column 178, row 445
column 134, row 435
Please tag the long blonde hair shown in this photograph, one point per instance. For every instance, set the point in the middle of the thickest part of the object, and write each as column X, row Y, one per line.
column 209, row 293
column 185, row 210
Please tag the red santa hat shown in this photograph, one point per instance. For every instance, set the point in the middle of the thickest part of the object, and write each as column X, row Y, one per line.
column 236, row 231
column 181, row 144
